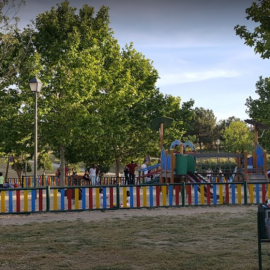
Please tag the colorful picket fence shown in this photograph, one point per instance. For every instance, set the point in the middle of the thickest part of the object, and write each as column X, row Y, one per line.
column 82, row 198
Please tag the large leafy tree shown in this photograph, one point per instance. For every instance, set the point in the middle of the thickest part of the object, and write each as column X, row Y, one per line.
column 237, row 137
column 258, row 109
column 203, row 126
column 259, row 37
column 97, row 101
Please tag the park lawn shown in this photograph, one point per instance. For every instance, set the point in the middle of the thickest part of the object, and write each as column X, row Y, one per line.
column 203, row 241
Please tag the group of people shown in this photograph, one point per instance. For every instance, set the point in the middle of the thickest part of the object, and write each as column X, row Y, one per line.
column 129, row 172
column 91, row 176
column 6, row 184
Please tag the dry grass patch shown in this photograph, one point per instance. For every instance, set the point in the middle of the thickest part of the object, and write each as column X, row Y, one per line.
column 218, row 240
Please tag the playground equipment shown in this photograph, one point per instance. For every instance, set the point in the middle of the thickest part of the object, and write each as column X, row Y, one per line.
column 255, row 167
column 180, row 166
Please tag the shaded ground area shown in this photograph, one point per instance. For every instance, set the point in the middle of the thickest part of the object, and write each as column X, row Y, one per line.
column 222, row 237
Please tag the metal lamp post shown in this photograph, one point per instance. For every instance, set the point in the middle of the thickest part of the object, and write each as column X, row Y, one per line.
column 218, row 143
column 35, row 86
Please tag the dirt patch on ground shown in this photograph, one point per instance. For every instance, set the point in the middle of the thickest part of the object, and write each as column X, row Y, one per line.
column 99, row 215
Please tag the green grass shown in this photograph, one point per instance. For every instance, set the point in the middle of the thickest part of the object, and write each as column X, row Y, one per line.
column 202, row 241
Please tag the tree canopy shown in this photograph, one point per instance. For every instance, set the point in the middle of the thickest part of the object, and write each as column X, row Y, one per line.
column 237, row 137
column 259, row 37
column 97, row 99
column 258, row 108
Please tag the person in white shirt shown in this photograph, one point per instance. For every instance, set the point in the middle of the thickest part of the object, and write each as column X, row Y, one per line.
column 93, row 175
column 144, row 166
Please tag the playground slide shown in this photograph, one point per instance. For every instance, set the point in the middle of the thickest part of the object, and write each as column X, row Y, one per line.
column 193, row 178
column 151, row 182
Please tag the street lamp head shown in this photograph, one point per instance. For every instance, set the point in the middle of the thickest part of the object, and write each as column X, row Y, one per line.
column 35, row 85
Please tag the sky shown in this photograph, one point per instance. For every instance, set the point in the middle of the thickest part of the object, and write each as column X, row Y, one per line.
column 192, row 44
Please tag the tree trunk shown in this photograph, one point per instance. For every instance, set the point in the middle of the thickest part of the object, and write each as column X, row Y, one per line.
column 16, row 169
column 6, row 175
column 62, row 166
column 117, row 167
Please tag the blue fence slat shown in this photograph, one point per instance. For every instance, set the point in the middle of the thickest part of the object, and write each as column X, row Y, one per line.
column 33, row 194
column 196, row 194
column 151, row 197
column 233, row 193
column 10, row 201
column 62, row 199
column 131, row 196
column 83, row 198
column 214, row 194
column 257, row 193
column 104, row 198
column 170, row 195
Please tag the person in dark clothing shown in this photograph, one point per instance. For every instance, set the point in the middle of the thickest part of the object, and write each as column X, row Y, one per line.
column 126, row 174
column 131, row 166
column 86, row 177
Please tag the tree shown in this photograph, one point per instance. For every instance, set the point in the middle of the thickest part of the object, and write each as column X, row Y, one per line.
column 259, row 109
column 259, row 37
column 220, row 128
column 97, row 101
column 203, row 126
column 11, row 49
column 44, row 162
column 237, row 137
column 74, row 57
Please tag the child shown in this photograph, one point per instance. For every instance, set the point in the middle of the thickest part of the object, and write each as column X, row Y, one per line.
column 1, row 180
column 101, row 197
column 8, row 185
column 128, row 200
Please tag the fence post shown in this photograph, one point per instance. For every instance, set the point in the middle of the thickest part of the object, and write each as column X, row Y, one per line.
column 245, row 192
column 183, row 193
column 48, row 199
column 118, row 196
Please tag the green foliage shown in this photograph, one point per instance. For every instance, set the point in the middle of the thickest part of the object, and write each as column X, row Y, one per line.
column 214, row 164
column 259, row 109
column 203, row 126
column 259, row 37
column 22, row 166
column 44, row 162
column 237, row 137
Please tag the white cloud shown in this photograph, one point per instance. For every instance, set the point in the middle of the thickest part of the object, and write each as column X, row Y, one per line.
column 187, row 77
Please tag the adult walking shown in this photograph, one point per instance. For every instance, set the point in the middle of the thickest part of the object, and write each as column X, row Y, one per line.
column 131, row 166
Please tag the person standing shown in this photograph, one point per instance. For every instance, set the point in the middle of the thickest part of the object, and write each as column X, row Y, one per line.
column 1, row 180
column 144, row 166
column 131, row 166
column 86, row 177
column 126, row 174
column 93, row 175
column 97, row 174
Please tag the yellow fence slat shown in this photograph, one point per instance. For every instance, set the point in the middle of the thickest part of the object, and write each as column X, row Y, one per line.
column 25, row 197
column 220, row 194
column 3, row 202
column 124, row 197
column 97, row 198
column 164, row 189
column 76, row 198
column 144, row 196
column 202, row 193
column 55, row 199
column 239, row 195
